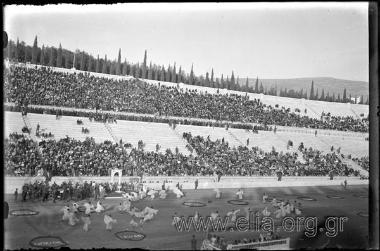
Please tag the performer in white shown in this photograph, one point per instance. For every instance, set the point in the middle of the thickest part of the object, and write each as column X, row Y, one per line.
column 178, row 192
column 86, row 222
column 217, row 196
column 66, row 210
column 291, row 207
column 134, row 196
column 108, row 220
column 149, row 214
column 75, row 207
column 152, row 193
column 162, row 194
column 298, row 211
column 72, row 219
column 89, row 207
column 99, row 207
column 233, row 215
column 265, row 212
column 101, row 191
column 287, row 208
column 196, row 216
column 214, row 215
column 265, row 197
column 240, row 193
column 175, row 219
column 126, row 206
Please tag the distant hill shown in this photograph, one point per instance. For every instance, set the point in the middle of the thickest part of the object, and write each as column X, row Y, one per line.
column 331, row 85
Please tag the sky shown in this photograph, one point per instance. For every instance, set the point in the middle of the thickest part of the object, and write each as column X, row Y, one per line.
column 268, row 40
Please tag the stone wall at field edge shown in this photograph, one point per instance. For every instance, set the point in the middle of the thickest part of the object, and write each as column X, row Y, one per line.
column 204, row 182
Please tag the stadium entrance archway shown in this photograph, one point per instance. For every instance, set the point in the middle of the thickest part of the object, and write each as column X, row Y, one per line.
column 119, row 172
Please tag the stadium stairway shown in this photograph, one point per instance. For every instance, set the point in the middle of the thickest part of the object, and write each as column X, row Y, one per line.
column 205, row 131
column 233, row 136
column 194, row 153
column 150, row 133
column 356, row 115
column 351, row 164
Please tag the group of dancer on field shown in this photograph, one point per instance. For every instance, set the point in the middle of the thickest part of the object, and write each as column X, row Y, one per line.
column 76, row 212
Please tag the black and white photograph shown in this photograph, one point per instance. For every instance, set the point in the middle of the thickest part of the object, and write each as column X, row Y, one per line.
column 190, row 126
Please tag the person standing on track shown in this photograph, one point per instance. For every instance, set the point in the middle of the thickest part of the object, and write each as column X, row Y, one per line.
column 16, row 194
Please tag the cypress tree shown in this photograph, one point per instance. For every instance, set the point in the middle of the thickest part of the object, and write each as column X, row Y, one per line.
column 316, row 95
column 361, row 100
column 97, row 66
column 51, row 58
column 257, row 85
column 174, row 75
column 74, row 59
column 118, row 66
column 25, row 51
column 246, row 84
column 132, row 71
column 349, row 99
column 144, row 66
column 138, row 70
column 89, row 65
column 367, row 102
column 124, row 69
column 311, row 96
column 59, row 56
column 167, row 76
column 156, row 73
column 232, row 80
column 17, row 51
column 227, row 83
column 67, row 60
column 34, row 51
column 82, row 62
column 162, row 75
column 42, row 56
column 207, row 80
column 333, row 97
column 191, row 78
column 150, row 73
column 104, row 68
column 222, row 82
column 261, row 87
column 212, row 76
column 345, row 96
column 180, row 75
column 322, row 98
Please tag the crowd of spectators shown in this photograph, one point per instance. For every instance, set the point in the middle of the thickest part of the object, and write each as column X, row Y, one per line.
column 243, row 161
column 71, row 157
column 44, row 86
column 221, row 243
column 45, row 191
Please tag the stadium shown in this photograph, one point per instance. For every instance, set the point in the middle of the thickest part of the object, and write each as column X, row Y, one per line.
column 117, row 159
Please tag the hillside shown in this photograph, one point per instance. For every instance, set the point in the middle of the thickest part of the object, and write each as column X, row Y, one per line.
column 331, row 85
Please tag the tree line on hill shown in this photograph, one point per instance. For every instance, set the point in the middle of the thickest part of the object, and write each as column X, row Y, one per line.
column 81, row 60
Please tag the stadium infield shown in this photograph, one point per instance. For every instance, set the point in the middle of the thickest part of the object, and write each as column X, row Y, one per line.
column 161, row 234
